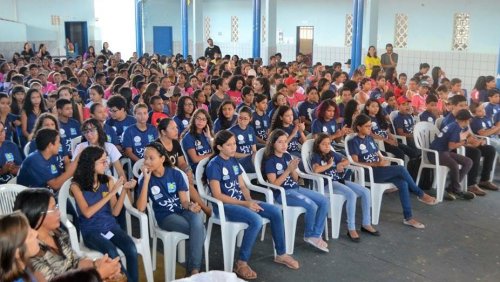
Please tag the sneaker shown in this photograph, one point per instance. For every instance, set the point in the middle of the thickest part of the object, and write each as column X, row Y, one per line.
column 476, row 190
column 465, row 195
column 449, row 196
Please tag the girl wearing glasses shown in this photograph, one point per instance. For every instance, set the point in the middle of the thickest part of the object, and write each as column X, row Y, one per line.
column 185, row 109
column 197, row 139
column 94, row 134
column 246, row 140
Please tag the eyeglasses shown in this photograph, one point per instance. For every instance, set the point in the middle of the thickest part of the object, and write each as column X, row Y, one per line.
column 201, row 118
column 104, row 162
column 90, row 130
column 55, row 209
column 114, row 110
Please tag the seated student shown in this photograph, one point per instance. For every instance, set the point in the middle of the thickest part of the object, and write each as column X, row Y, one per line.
column 32, row 108
column 278, row 100
column 280, row 170
column 483, row 126
column 227, row 185
column 18, row 243
column 200, row 100
column 226, row 116
column 247, row 98
column 218, row 96
column 99, row 112
column 137, row 136
column 391, row 102
column 47, row 120
column 64, row 92
column 326, row 123
column 169, row 138
column 330, row 163
column 380, row 131
column 404, row 123
column 56, row 255
column 431, row 112
column 283, row 119
column 69, row 127
column 9, row 120
column 41, row 168
column 197, row 138
column 260, row 121
column 418, row 100
column 364, row 150
column 307, row 107
column 351, row 111
column 451, row 137
column 246, row 146
column 95, row 136
column 156, row 113
column 119, row 120
column 493, row 106
column 96, row 95
column 444, row 106
column 474, row 149
column 10, row 157
column 185, row 109
column 379, row 91
column 165, row 187
column 97, row 205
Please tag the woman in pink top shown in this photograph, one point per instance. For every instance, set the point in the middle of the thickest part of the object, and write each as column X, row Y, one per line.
column 235, row 84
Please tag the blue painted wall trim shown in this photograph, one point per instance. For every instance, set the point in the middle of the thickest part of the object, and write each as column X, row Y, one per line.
column 184, row 24
column 256, row 28
column 355, row 16
column 359, row 34
column 498, row 69
column 138, row 28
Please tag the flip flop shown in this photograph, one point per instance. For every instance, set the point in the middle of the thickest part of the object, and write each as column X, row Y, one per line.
column 317, row 243
column 416, row 224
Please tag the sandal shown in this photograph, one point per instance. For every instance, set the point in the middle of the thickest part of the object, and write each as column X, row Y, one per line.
column 245, row 272
column 318, row 243
column 287, row 260
column 414, row 223
column 428, row 200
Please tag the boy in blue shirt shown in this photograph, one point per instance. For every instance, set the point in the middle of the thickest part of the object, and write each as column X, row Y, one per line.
column 493, row 106
column 307, row 107
column 451, row 137
column 41, row 168
column 431, row 112
column 403, row 122
column 69, row 128
column 483, row 126
column 119, row 119
column 136, row 137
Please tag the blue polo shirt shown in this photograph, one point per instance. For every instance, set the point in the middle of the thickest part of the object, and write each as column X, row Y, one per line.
column 404, row 121
column 277, row 165
column 245, row 138
column 199, row 143
column 261, row 125
column 137, row 139
column 120, row 126
column 163, row 191
column 427, row 116
column 365, row 148
column 36, row 171
column 449, row 133
column 226, row 172
column 68, row 131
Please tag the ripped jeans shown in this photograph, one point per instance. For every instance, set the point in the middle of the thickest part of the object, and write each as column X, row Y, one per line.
column 316, row 206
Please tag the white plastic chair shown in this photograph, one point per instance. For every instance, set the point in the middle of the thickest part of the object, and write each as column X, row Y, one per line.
column 141, row 242
column 424, row 133
column 8, row 194
column 136, row 170
column 336, row 200
column 13, row 180
column 75, row 141
column 26, row 149
column 377, row 189
column 438, row 123
column 392, row 116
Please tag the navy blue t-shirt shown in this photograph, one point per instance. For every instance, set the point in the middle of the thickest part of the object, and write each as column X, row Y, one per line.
column 277, row 165
column 164, row 192
column 68, row 131
column 137, row 139
column 226, row 172
column 365, row 148
column 182, row 123
column 449, row 133
column 199, row 143
column 491, row 110
column 377, row 128
column 332, row 172
column 36, row 171
column 450, row 118
column 111, row 136
column 321, row 126
column 244, row 138
column 60, row 155
column 120, row 126
column 9, row 153
column 103, row 220
column 9, row 128
column 261, row 125
column 427, row 116
column 294, row 144
column 478, row 123
column 404, row 121
column 218, row 123
column 306, row 109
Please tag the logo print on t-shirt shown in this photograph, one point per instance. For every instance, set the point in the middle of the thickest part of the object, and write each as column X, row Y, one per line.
column 53, row 169
column 225, row 174
column 325, row 129
column 171, row 188
column 279, row 167
column 62, row 132
column 155, row 190
column 137, row 139
column 185, row 122
column 257, row 123
column 429, row 119
column 9, row 157
column 241, row 139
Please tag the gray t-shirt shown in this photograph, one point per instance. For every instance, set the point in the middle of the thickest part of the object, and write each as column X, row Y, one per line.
column 384, row 59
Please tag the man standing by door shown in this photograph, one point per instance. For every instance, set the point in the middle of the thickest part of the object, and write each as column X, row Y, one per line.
column 212, row 49
column 389, row 59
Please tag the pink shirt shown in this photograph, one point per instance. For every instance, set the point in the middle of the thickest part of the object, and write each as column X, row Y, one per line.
column 293, row 101
column 235, row 96
column 418, row 102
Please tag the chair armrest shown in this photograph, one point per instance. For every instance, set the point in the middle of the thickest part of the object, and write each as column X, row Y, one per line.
column 367, row 167
column 395, row 160
column 402, row 138
column 268, row 193
column 434, row 152
column 73, row 236
column 483, row 137
column 220, row 205
column 280, row 189
column 143, row 220
column 359, row 173
column 321, row 182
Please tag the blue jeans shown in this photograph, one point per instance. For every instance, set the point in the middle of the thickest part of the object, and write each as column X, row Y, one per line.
column 121, row 240
column 316, row 206
column 399, row 176
column 191, row 224
column 239, row 213
column 351, row 191
column 247, row 164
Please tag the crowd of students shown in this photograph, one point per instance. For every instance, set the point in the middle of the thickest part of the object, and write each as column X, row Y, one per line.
column 173, row 112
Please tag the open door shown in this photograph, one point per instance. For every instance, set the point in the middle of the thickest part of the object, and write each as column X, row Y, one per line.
column 77, row 33
column 162, row 40
column 305, row 43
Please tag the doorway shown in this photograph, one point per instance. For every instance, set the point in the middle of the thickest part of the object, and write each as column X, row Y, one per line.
column 162, row 40
column 77, row 33
column 305, row 43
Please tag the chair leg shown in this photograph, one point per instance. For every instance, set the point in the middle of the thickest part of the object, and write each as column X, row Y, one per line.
column 146, row 260
column 228, row 247
column 336, row 205
column 169, row 260
column 263, row 232
column 290, row 227
column 155, row 250
column 239, row 238
column 207, row 243
column 181, row 249
column 376, row 196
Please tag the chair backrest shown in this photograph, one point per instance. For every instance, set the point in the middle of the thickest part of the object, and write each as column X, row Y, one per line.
column 439, row 120
column 423, row 134
column 26, row 149
column 75, row 141
column 8, row 194
column 200, row 171
column 186, row 157
column 348, row 138
column 306, row 154
column 13, row 180
column 136, row 170
column 392, row 116
column 62, row 199
column 258, row 165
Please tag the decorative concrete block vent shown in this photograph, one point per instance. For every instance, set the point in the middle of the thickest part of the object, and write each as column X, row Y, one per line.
column 348, row 30
column 234, row 29
column 401, row 31
column 461, row 32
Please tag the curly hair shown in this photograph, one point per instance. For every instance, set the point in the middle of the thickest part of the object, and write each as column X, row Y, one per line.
column 41, row 119
column 86, row 168
column 180, row 106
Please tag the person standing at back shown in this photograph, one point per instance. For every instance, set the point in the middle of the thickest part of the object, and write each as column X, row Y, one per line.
column 389, row 59
column 212, row 49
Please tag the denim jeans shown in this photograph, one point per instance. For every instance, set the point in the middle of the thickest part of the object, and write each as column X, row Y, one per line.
column 191, row 224
column 316, row 206
column 123, row 242
column 239, row 213
column 399, row 176
column 247, row 164
column 351, row 191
